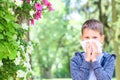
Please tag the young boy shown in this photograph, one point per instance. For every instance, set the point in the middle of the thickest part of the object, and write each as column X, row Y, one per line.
column 93, row 64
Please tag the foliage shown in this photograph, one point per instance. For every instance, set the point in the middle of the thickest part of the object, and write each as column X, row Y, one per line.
column 11, row 37
column 8, row 35
column 15, row 49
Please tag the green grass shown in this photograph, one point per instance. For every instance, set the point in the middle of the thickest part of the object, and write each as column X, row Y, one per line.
column 114, row 79
column 65, row 79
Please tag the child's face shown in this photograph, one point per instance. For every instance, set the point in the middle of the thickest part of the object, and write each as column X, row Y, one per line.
column 92, row 34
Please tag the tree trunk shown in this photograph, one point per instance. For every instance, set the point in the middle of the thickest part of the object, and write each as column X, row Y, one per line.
column 46, row 72
column 116, row 48
column 116, row 45
column 104, row 18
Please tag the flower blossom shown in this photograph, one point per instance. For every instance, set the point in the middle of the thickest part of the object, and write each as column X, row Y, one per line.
column 48, row 4
column 38, row 15
column 32, row 21
column 21, row 73
column 28, row 1
column 18, row 3
column 17, row 59
column 25, row 26
column 45, row 2
column 38, row 6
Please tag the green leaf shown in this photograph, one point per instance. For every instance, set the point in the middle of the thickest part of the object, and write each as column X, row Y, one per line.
column 1, row 36
column 1, row 55
column 8, row 17
column 13, row 54
column 1, row 13
column 16, row 25
column 3, row 51
column 1, row 27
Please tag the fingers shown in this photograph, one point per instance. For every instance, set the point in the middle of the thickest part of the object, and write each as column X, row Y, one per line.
column 94, row 47
column 88, row 47
column 91, row 51
column 94, row 51
column 88, row 52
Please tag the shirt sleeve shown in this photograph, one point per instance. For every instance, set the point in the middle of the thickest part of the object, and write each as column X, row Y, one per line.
column 106, row 72
column 79, row 69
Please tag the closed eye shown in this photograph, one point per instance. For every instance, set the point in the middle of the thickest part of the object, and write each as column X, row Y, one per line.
column 86, row 37
column 94, row 37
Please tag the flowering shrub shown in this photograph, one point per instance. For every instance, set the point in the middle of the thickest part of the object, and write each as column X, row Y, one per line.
column 14, row 49
column 31, row 9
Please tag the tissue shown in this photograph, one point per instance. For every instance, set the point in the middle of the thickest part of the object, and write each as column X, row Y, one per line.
column 99, row 45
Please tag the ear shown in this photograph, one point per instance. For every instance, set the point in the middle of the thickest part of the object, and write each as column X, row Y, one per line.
column 102, row 38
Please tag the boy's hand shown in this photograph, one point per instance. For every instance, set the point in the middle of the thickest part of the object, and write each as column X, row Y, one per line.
column 91, row 52
column 94, row 52
column 88, row 52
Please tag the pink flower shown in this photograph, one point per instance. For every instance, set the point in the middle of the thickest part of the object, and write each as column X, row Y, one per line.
column 28, row 1
column 38, row 14
column 32, row 21
column 38, row 6
column 50, row 8
column 45, row 2
column 49, row 5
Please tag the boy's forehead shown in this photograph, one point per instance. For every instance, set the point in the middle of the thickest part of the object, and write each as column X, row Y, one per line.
column 90, row 31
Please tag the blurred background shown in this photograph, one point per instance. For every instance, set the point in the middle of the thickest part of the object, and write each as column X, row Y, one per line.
column 56, row 36
column 39, row 37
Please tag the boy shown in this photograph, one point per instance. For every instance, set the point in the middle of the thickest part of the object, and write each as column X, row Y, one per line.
column 93, row 64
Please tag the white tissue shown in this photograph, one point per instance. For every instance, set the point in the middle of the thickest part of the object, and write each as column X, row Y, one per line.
column 99, row 45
